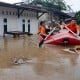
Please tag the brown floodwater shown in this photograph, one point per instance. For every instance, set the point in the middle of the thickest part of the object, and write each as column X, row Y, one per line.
column 45, row 63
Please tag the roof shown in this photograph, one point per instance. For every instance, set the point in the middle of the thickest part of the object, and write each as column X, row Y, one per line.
column 62, row 14
column 25, row 7
column 59, row 13
column 72, row 14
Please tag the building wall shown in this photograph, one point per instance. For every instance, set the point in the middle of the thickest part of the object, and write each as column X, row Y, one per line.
column 44, row 17
column 14, row 23
column 49, row 17
column 33, row 22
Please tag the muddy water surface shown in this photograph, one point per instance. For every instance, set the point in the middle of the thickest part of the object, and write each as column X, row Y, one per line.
column 46, row 63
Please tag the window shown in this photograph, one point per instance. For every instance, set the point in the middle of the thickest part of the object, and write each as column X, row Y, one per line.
column 5, row 20
column 3, row 12
column 28, row 21
column 10, row 13
column 13, row 13
column 6, row 12
column 23, row 20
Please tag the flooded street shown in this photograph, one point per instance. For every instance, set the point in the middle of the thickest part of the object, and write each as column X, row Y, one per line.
column 46, row 63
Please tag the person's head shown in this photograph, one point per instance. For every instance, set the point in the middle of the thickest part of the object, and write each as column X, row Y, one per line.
column 73, row 21
column 42, row 23
column 49, row 23
column 62, row 23
column 58, row 25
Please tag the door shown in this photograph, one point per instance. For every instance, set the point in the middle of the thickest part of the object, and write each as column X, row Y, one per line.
column 23, row 25
column 29, row 26
column 5, row 24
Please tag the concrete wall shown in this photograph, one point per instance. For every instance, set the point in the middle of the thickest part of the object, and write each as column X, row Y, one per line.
column 48, row 17
column 14, row 23
column 44, row 17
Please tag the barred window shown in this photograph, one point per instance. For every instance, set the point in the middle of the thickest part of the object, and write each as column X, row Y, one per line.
column 10, row 13
column 3, row 12
column 5, row 20
column 29, row 21
column 6, row 12
column 23, row 20
column 13, row 13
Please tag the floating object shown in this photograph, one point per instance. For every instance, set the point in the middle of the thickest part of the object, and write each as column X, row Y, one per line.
column 77, row 47
column 62, row 38
column 18, row 61
column 72, row 50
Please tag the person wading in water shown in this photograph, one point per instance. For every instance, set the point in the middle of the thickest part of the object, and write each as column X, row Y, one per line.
column 42, row 29
column 42, row 32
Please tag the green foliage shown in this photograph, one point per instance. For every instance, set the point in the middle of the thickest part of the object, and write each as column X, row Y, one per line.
column 78, row 17
column 58, row 4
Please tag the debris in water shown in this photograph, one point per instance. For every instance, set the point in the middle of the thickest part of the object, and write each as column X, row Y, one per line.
column 18, row 61
column 77, row 48
column 72, row 50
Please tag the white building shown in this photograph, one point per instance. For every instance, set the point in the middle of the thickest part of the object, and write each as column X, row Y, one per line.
column 18, row 18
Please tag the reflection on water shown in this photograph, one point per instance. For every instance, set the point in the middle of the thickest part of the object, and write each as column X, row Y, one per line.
column 46, row 63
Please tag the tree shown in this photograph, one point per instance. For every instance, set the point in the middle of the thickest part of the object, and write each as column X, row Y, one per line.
column 77, row 15
column 50, row 5
column 58, row 4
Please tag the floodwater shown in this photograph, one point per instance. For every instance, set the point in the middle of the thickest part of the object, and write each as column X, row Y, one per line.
column 45, row 63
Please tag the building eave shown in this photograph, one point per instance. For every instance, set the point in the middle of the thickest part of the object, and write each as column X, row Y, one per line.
column 21, row 7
